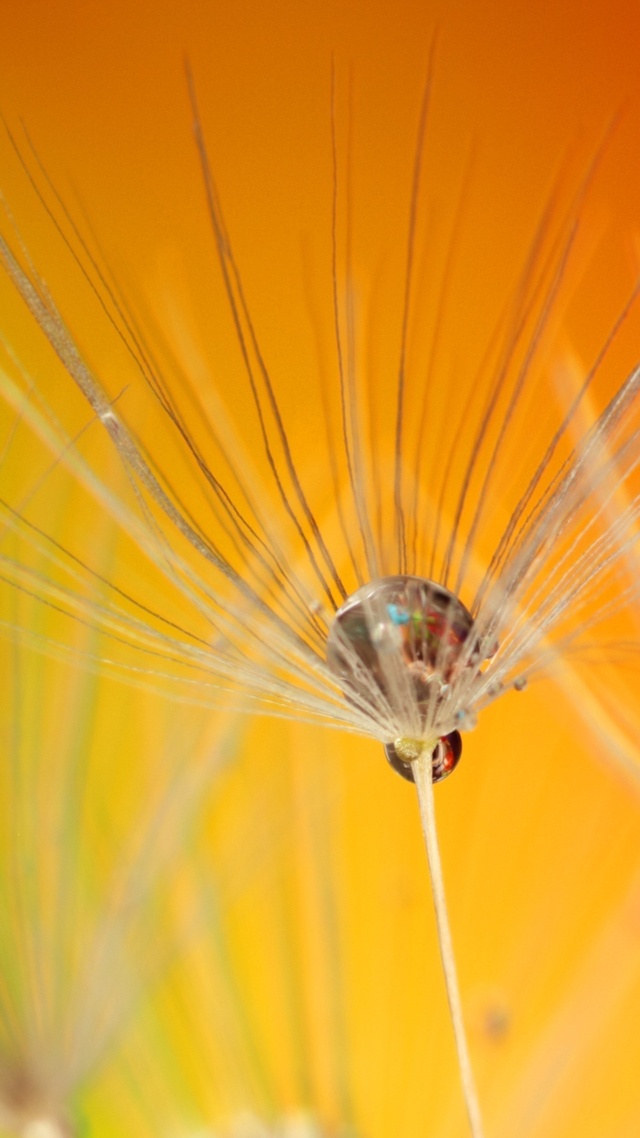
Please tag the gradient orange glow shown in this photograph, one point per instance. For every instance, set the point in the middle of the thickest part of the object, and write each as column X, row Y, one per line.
column 307, row 971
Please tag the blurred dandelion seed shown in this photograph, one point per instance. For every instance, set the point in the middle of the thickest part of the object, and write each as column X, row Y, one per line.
column 290, row 1126
column 465, row 582
column 79, row 870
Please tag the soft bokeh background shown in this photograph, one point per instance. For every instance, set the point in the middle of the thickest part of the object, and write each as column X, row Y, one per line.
column 303, row 971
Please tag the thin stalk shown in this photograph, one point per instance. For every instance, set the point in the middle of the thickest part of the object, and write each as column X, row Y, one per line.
column 421, row 768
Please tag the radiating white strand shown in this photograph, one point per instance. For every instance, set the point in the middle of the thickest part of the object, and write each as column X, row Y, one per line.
column 533, row 613
column 575, row 592
column 63, row 344
column 540, row 528
column 280, row 644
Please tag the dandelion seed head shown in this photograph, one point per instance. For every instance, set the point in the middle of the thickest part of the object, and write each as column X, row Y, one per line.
column 265, row 555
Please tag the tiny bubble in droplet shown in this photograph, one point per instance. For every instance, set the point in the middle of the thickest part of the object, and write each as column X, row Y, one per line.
column 386, row 637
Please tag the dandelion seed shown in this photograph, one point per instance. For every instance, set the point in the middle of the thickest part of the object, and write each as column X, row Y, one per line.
column 404, row 633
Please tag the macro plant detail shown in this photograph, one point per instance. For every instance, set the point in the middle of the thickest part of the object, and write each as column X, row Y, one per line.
column 409, row 612
column 271, row 621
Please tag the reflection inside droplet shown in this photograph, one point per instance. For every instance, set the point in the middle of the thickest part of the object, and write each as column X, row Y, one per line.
column 397, row 646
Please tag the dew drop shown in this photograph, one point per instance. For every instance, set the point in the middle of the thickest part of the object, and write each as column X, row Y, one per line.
column 397, row 645
column 444, row 757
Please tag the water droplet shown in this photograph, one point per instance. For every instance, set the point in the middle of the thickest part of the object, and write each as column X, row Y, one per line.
column 397, row 646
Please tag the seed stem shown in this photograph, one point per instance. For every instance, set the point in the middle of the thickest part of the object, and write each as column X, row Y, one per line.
column 421, row 768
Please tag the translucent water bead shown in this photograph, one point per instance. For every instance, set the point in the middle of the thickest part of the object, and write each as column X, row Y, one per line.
column 397, row 647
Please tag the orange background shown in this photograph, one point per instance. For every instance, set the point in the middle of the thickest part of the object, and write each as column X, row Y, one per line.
column 539, row 831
